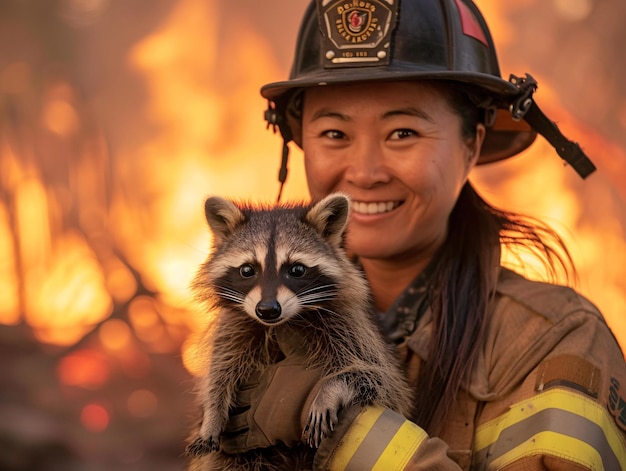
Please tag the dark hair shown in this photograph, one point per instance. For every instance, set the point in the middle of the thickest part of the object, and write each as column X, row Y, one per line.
column 465, row 276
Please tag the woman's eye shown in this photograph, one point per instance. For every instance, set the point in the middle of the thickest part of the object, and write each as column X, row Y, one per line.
column 402, row 134
column 297, row 270
column 334, row 134
column 247, row 271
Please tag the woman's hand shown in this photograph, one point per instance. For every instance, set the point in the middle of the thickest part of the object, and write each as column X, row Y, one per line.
column 273, row 406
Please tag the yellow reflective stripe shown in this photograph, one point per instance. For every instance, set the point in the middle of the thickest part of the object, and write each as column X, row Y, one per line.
column 355, row 436
column 378, row 439
column 553, row 444
column 401, row 448
column 563, row 412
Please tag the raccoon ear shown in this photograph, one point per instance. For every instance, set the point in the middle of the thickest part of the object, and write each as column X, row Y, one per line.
column 330, row 217
column 223, row 217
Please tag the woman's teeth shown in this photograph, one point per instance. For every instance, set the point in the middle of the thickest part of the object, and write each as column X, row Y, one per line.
column 375, row 207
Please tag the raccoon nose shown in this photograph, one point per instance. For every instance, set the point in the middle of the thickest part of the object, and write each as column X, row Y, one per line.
column 268, row 310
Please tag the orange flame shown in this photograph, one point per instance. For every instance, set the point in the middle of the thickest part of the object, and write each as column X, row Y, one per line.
column 208, row 144
column 62, row 291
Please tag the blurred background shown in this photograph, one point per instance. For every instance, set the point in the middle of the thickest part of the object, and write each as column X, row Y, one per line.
column 117, row 119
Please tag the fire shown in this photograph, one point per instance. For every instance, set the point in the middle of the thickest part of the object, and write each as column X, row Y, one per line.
column 9, row 294
column 61, row 293
column 538, row 185
column 61, row 274
column 138, row 236
column 211, row 141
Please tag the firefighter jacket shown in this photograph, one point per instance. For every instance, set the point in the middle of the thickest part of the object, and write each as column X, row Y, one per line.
column 548, row 393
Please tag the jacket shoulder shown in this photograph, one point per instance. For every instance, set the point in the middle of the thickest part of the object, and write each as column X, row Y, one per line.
column 545, row 299
column 532, row 321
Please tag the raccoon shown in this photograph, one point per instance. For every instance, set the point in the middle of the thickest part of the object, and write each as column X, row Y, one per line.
column 278, row 271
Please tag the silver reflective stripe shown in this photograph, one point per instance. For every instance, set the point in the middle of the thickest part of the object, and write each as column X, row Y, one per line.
column 560, row 423
column 557, row 421
column 374, row 444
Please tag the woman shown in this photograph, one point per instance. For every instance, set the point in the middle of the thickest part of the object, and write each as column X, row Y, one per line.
column 394, row 104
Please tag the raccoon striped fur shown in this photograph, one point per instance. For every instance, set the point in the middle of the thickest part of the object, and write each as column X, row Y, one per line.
column 275, row 271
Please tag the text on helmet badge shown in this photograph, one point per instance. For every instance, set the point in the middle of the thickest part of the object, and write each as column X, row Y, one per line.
column 356, row 32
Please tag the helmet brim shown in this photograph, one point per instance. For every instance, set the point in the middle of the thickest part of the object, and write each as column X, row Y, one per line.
column 273, row 91
column 505, row 138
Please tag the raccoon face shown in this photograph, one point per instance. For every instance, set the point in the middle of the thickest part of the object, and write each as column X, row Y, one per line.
column 273, row 295
column 276, row 264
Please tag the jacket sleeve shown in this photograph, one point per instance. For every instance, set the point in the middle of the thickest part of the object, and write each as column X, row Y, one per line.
column 568, row 414
column 556, row 429
column 568, row 409
column 374, row 438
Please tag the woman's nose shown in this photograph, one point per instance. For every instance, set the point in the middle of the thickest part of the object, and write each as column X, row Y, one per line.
column 366, row 165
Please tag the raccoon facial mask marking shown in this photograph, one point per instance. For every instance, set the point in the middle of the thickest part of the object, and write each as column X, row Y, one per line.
column 274, row 298
column 304, row 289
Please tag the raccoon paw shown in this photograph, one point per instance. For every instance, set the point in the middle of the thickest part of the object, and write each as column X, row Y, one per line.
column 201, row 446
column 318, row 426
column 334, row 395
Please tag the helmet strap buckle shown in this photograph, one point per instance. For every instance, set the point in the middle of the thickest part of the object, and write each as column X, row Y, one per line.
column 276, row 121
column 271, row 116
column 527, row 86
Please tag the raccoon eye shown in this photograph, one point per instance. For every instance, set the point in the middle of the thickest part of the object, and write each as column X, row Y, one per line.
column 297, row 270
column 247, row 270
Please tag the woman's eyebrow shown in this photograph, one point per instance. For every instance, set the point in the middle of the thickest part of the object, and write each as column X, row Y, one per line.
column 327, row 113
column 407, row 111
column 410, row 111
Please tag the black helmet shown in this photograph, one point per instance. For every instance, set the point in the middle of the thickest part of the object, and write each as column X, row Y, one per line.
column 346, row 41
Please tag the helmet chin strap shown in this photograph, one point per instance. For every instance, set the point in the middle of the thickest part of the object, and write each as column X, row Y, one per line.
column 569, row 151
column 282, row 173
column 525, row 107
column 275, row 120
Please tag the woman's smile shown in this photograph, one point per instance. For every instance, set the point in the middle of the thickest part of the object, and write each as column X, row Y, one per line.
column 374, row 207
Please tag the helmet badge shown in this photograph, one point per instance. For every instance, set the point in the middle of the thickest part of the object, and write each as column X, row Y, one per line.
column 357, row 20
column 356, row 32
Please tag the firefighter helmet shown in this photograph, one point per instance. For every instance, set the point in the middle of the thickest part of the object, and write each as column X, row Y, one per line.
column 344, row 41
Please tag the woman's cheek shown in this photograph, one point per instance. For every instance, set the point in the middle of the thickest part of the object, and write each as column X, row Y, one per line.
column 315, row 179
column 320, row 176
